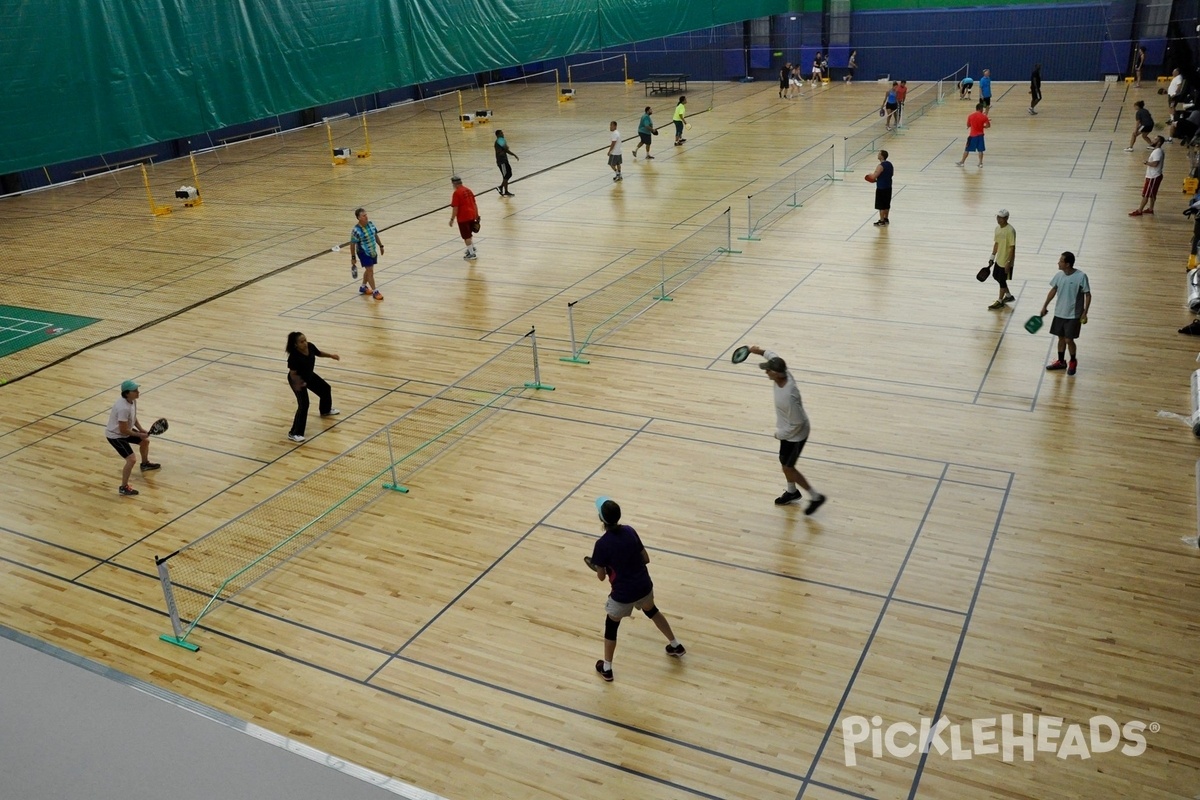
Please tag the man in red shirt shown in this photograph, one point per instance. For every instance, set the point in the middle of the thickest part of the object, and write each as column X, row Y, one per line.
column 464, row 211
column 976, row 122
column 901, row 93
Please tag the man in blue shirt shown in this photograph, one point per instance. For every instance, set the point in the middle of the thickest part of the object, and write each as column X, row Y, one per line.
column 985, row 90
column 619, row 556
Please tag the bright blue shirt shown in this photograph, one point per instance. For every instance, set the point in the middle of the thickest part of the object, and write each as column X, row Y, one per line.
column 985, row 87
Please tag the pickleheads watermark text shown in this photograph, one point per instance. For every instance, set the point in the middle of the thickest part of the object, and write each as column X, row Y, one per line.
column 1010, row 737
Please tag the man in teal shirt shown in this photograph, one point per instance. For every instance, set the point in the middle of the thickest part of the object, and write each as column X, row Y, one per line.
column 646, row 132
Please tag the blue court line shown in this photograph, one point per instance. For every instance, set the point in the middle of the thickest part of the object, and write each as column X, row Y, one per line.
column 1050, row 222
column 217, row 494
column 875, row 318
column 60, row 414
column 55, row 545
column 1042, row 377
column 723, row 200
column 1070, row 174
column 390, row 692
column 940, row 153
column 867, row 646
column 96, row 423
column 1103, row 167
column 503, row 555
column 809, row 149
column 962, row 637
column 1087, row 222
column 768, row 312
column 770, row 573
column 502, row 689
column 996, row 350
column 691, row 423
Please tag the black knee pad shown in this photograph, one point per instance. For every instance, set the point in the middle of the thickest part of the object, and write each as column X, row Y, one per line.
column 651, row 612
column 610, row 628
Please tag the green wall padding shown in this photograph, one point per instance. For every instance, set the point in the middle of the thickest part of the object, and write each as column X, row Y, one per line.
column 85, row 77
column 455, row 37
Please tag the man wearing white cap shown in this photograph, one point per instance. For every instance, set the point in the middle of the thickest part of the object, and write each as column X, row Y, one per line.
column 1004, row 246
column 124, row 430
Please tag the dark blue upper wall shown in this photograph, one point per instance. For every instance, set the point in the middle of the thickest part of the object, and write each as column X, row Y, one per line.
column 926, row 44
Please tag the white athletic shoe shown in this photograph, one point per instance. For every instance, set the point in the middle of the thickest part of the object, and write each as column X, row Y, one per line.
column 295, row 437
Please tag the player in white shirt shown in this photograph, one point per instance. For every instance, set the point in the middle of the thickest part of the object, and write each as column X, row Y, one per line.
column 791, row 429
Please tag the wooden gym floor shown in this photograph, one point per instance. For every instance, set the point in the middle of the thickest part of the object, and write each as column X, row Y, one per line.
column 998, row 540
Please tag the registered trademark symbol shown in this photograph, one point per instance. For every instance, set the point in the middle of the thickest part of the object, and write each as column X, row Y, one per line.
column 1155, row 727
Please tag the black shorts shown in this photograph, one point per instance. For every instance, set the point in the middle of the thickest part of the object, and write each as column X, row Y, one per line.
column 1000, row 274
column 987, row 102
column 789, row 452
column 122, row 445
column 505, row 169
column 1066, row 328
column 646, row 138
column 883, row 198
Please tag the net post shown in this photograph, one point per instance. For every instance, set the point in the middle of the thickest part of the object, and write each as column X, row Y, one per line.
column 575, row 357
column 662, row 281
column 749, row 237
column 570, row 84
column 366, row 153
column 537, row 369
column 333, row 156
column 395, row 484
column 833, row 176
column 198, row 199
column 729, row 230
column 845, row 154
column 155, row 209
column 625, row 60
column 177, row 636
column 486, row 104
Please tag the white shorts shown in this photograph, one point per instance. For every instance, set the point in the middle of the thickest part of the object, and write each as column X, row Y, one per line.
column 621, row 610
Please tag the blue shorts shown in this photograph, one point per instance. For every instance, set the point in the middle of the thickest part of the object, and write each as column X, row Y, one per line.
column 367, row 261
column 975, row 144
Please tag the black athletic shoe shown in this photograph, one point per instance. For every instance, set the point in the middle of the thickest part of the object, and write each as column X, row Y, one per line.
column 604, row 673
column 147, row 466
column 787, row 497
column 815, row 503
column 676, row 650
column 509, row 194
column 127, row 491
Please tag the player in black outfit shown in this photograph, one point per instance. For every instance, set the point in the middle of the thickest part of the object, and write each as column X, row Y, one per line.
column 620, row 557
